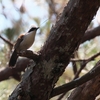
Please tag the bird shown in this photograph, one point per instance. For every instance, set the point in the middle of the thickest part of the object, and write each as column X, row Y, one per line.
column 23, row 42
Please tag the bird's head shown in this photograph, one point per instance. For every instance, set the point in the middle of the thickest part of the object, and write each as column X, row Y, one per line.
column 33, row 29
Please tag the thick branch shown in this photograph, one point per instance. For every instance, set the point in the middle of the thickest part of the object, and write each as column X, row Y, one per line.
column 20, row 66
column 83, row 64
column 89, row 90
column 77, row 82
column 29, row 54
column 90, row 34
column 14, row 72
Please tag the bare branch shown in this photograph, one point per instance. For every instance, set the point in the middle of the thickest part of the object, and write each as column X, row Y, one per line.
column 14, row 72
column 29, row 54
column 77, row 82
column 7, row 41
column 84, row 63
column 90, row 34
column 86, row 60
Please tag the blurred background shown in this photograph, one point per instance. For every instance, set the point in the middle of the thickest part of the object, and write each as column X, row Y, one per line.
column 16, row 17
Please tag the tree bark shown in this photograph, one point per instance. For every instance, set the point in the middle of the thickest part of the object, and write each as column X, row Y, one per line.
column 39, row 81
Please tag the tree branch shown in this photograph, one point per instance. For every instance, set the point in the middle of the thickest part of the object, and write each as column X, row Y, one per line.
column 7, row 41
column 29, row 54
column 14, row 72
column 20, row 66
column 86, row 60
column 88, row 91
column 90, row 34
column 84, row 63
column 77, row 82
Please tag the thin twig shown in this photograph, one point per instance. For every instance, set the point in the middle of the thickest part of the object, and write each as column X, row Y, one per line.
column 84, row 63
column 7, row 41
column 86, row 60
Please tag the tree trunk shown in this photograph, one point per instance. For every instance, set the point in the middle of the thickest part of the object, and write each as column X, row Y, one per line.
column 39, row 81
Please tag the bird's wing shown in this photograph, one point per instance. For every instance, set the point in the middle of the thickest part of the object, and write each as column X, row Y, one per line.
column 19, row 40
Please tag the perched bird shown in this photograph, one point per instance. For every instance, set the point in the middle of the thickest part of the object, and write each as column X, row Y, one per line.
column 24, row 42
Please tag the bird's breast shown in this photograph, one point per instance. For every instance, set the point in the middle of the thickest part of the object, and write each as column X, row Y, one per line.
column 27, row 41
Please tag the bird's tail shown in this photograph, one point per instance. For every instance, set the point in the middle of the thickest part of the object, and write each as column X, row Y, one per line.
column 13, row 59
